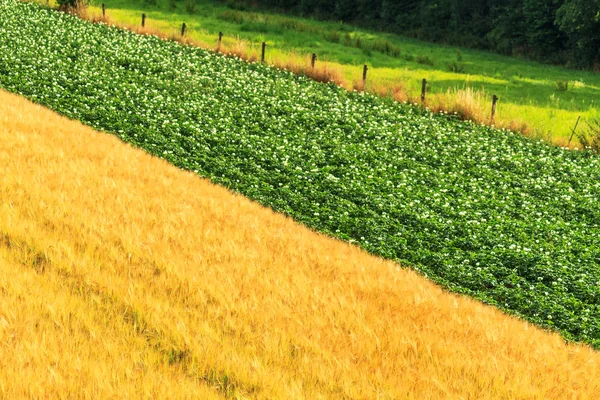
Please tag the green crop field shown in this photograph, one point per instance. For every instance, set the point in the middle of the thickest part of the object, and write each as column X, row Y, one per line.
column 528, row 91
column 481, row 211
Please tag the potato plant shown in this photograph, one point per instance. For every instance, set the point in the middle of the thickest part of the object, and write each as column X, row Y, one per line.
column 484, row 212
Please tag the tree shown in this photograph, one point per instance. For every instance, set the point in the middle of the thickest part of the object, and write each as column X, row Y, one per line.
column 557, row 31
column 66, row 4
column 346, row 10
column 509, row 30
column 544, row 38
column 580, row 20
column 400, row 14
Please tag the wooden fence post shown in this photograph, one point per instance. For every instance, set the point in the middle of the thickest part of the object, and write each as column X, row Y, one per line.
column 423, row 90
column 143, row 20
column 573, row 130
column 103, row 10
column 262, row 55
column 365, row 69
column 313, row 60
column 220, row 40
column 183, row 29
column 494, row 102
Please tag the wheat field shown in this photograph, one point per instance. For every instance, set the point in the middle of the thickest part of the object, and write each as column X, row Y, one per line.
column 124, row 277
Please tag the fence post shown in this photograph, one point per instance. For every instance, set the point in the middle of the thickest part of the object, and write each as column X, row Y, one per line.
column 220, row 40
column 313, row 60
column 365, row 69
column 573, row 130
column 143, row 20
column 262, row 55
column 183, row 29
column 103, row 10
column 423, row 90
column 494, row 101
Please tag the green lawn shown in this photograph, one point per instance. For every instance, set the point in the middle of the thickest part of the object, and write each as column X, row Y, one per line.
column 528, row 91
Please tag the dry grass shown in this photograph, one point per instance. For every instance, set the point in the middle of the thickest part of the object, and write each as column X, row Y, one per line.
column 171, row 34
column 469, row 104
column 473, row 105
column 323, row 72
column 239, row 49
column 122, row 276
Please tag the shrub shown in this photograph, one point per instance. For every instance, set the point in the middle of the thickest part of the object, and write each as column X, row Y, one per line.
column 71, row 5
column 172, row 5
column 386, row 47
column 425, row 60
column 347, row 39
column 260, row 27
column 457, row 67
column 332, row 36
column 64, row 4
column 190, row 6
column 77, row 7
column 590, row 138
column 231, row 16
column 562, row 86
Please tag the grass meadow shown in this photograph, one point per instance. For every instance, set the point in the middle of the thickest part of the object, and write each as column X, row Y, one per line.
column 539, row 100
column 123, row 276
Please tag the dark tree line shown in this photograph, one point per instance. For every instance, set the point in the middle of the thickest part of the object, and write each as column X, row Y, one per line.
column 555, row 31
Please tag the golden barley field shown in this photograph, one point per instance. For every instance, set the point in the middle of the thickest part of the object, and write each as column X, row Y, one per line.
column 124, row 277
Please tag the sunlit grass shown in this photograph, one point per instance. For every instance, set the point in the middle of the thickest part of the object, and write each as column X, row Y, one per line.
column 122, row 276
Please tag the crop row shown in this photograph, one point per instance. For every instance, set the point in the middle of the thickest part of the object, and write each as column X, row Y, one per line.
column 484, row 212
